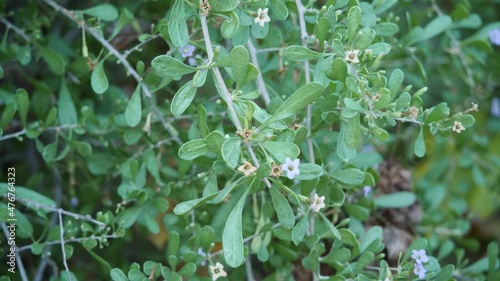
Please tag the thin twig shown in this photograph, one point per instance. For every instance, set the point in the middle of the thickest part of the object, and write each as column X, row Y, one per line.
column 19, row 261
column 248, row 268
column 303, row 34
column 15, row 29
column 61, row 228
column 53, row 221
column 23, row 132
column 124, row 62
column 226, row 95
column 71, row 240
column 268, row 50
column 138, row 46
column 409, row 120
column 261, row 85
column 54, row 209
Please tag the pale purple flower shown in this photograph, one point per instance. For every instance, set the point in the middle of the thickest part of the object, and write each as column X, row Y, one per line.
column 495, row 36
column 367, row 190
column 419, row 256
column 495, row 107
column 419, row 270
column 186, row 51
column 291, row 168
column 203, row 254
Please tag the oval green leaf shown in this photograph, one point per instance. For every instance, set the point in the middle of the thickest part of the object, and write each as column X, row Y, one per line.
column 98, row 79
column 232, row 236
column 183, row 98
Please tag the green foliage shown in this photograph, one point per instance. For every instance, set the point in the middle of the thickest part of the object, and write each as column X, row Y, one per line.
column 256, row 137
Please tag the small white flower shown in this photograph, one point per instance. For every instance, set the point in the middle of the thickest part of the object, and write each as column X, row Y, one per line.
column 352, row 56
column 291, row 168
column 457, row 127
column 262, row 17
column 318, row 203
column 217, row 271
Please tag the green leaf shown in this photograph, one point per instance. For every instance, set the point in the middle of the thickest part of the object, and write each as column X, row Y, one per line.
column 330, row 225
column 437, row 113
column 357, row 211
column 437, row 26
column 127, row 218
column 54, row 60
column 420, row 144
column 230, row 26
column 232, row 236
column 239, row 61
column 395, row 200
column 299, row 231
column 364, row 38
column 105, row 12
column 83, row 148
column 278, row 10
column 187, row 206
column 479, row 266
column 300, row 53
column 133, row 113
column 29, row 197
column 395, row 82
column 370, row 236
column 309, row 171
column 37, row 248
column 298, row 100
column 200, row 77
column 467, row 120
column 168, row 66
column 379, row 48
column 386, row 29
column 282, row 150
column 66, row 108
column 202, row 120
column 117, row 275
column 231, row 151
column 177, row 25
column 215, row 140
column 98, row 79
column 193, row 149
column 492, row 256
column 224, row 5
column 7, row 115
column 351, row 176
column 338, row 71
column 352, row 132
column 445, row 274
column 24, row 229
column 343, row 151
column 380, row 6
column 1, row 72
column 183, row 98
column 23, row 104
column 285, row 213
column 353, row 20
